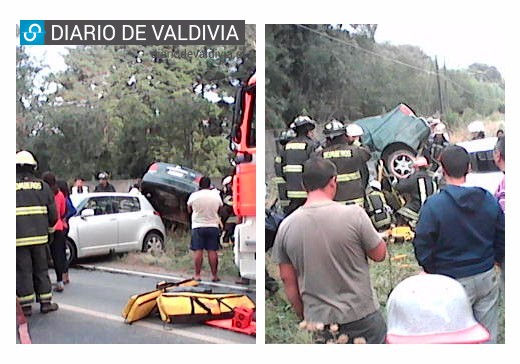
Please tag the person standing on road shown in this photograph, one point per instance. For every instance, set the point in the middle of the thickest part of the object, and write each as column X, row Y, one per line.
column 70, row 211
column 35, row 215
column 204, row 206
column 322, row 251
column 104, row 185
column 58, row 241
column 460, row 234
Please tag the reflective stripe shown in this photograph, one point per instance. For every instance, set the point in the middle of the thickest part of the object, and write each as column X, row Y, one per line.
column 278, row 159
column 278, row 180
column 348, row 177
column 295, row 146
column 337, row 154
column 50, row 230
column 293, row 168
column 406, row 212
column 45, row 297
column 296, row 194
column 27, row 299
column 285, row 203
column 31, row 210
column 228, row 200
column 33, row 240
column 358, row 201
column 422, row 190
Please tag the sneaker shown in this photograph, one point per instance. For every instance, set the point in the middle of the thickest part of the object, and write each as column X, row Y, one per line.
column 59, row 287
column 48, row 307
column 27, row 311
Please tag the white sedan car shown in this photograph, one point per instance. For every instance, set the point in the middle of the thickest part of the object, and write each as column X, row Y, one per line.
column 114, row 223
column 484, row 173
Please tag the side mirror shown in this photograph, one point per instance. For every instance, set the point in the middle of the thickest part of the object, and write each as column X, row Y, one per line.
column 87, row 213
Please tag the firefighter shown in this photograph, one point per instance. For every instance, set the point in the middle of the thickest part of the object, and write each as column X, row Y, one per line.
column 227, row 214
column 477, row 130
column 35, row 215
column 292, row 155
column 419, row 186
column 436, row 145
column 354, row 134
column 377, row 208
column 349, row 160
column 281, row 183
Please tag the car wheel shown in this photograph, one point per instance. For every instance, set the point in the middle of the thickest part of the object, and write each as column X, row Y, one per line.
column 153, row 243
column 400, row 163
column 70, row 251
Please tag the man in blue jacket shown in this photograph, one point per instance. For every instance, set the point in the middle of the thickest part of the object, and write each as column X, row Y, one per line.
column 460, row 234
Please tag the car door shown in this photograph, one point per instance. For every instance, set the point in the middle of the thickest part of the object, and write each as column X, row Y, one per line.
column 97, row 234
column 130, row 221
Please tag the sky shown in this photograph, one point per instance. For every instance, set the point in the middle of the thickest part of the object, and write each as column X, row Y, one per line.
column 458, row 45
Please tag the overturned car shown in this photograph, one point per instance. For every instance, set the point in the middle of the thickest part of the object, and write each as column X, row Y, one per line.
column 168, row 187
column 395, row 137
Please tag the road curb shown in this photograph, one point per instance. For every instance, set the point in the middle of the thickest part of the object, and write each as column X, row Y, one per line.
column 162, row 276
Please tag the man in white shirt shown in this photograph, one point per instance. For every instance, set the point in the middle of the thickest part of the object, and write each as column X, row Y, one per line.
column 78, row 192
column 204, row 206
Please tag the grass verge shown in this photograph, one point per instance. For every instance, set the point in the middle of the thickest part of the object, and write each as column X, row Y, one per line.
column 281, row 324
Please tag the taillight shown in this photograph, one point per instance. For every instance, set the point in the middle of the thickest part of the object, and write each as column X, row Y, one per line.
column 157, row 213
column 153, row 167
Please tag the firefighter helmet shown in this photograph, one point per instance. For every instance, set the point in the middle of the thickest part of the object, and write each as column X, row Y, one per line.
column 303, row 121
column 227, row 180
column 102, row 175
column 334, row 128
column 24, row 157
column 431, row 309
column 420, row 162
column 476, row 127
column 286, row 136
column 375, row 184
column 354, row 130
column 440, row 128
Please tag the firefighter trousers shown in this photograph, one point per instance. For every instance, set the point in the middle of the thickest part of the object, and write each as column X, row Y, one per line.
column 32, row 276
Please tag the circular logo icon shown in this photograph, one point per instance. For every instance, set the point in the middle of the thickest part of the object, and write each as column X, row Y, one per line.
column 31, row 31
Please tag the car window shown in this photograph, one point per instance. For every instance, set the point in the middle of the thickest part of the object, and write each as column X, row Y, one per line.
column 127, row 204
column 482, row 161
column 100, row 205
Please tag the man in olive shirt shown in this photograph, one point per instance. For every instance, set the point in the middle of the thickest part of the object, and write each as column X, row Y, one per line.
column 322, row 251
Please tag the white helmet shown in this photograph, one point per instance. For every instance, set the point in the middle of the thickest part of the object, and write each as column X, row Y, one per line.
column 334, row 128
column 375, row 184
column 227, row 180
column 432, row 309
column 476, row 127
column 354, row 130
column 440, row 128
column 25, row 157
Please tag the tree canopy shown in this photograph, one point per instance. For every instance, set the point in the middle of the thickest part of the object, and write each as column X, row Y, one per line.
column 120, row 108
column 333, row 71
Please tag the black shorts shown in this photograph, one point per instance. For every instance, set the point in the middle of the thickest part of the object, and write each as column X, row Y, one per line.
column 205, row 238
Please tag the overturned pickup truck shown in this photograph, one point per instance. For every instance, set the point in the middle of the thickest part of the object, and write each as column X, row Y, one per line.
column 167, row 187
column 395, row 137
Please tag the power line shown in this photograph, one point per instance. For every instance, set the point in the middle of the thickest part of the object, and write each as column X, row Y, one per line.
column 444, row 76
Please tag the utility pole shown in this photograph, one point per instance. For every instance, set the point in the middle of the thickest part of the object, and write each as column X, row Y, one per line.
column 446, row 98
column 439, row 89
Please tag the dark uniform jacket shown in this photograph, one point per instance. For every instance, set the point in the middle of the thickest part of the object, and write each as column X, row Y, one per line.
column 35, row 210
column 349, row 161
column 418, row 186
column 292, row 157
column 107, row 188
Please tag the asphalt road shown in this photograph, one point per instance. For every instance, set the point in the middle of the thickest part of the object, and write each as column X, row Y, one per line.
column 90, row 312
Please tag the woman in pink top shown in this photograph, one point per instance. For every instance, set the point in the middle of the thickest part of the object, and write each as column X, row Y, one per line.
column 58, row 242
